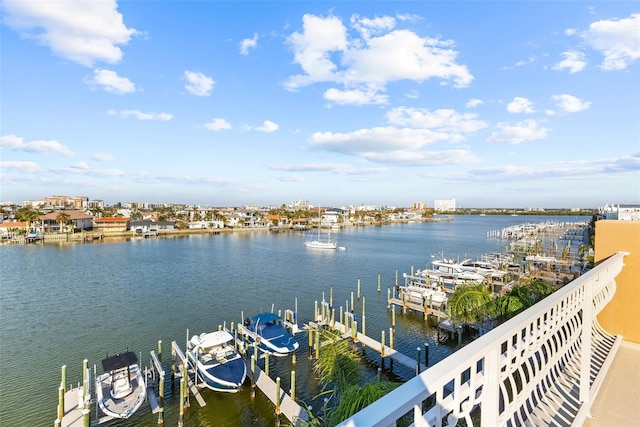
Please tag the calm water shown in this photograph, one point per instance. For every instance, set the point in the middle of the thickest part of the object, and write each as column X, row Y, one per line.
column 63, row 303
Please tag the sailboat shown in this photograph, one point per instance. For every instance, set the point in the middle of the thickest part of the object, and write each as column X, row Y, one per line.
column 320, row 244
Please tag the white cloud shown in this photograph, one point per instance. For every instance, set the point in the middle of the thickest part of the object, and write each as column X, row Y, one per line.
column 444, row 120
column 520, row 105
column 81, row 31
column 198, row 83
column 16, row 143
column 336, row 168
column 369, row 57
column 102, row 157
column 570, row 103
column 218, row 124
column 474, row 102
column 268, row 126
column 247, row 44
column 573, row 61
column 26, row 167
column 140, row 115
column 355, row 97
column 80, row 165
column 110, row 81
column 607, row 166
column 527, row 130
column 617, row 39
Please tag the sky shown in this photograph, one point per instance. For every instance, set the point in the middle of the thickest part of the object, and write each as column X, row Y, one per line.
column 511, row 104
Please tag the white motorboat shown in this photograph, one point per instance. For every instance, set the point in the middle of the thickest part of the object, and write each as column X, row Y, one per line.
column 121, row 389
column 216, row 362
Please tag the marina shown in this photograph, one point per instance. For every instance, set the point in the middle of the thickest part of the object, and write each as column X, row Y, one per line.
column 198, row 265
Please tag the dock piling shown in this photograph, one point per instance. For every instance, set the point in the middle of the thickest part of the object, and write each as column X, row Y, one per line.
column 426, row 354
column 278, row 396
column 292, row 391
column 63, row 381
column 417, row 360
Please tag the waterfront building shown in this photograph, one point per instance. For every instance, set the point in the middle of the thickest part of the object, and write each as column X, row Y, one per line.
column 620, row 212
column 78, row 221
column 444, row 205
column 111, row 224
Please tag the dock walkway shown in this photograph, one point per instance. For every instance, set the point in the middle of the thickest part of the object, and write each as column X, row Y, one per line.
column 385, row 351
column 288, row 407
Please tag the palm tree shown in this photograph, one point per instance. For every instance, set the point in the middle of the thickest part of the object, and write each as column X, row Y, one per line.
column 28, row 214
column 340, row 371
column 470, row 303
column 62, row 218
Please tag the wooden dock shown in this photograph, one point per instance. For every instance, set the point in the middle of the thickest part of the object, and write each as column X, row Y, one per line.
column 419, row 308
column 288, row 407
column 73, row 416
column 385, row 351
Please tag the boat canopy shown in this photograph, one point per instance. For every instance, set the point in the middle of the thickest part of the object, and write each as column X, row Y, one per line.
column 119, row 361
column 265, row 318
column 212, row 339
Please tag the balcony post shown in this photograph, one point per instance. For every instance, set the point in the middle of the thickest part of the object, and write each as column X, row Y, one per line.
column 490, row 388
column 587, row 326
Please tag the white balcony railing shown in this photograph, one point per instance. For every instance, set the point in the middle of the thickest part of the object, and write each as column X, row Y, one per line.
column 542, row 367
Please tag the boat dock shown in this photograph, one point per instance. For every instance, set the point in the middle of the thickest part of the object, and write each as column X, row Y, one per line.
column 284, row 403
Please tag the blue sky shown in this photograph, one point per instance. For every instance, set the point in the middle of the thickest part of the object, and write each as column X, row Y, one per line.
column 494, row 104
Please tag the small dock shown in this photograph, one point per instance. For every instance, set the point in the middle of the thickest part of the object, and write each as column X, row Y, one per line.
column 384, row 350
column 283, row 402
column 427, row 311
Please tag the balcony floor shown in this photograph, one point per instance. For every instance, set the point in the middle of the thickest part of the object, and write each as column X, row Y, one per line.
column 618, row 401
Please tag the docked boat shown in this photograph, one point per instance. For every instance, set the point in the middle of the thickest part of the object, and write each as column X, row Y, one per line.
column 121, row 389
column 450, row 274
column 430, row 296
column 267, row 330
column 321, row 244
column 216, row 362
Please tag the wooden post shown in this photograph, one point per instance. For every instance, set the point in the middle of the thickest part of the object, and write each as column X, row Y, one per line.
column 86, row 417
column 310, row 341
column 378, row 282
column 388, row 297
column 363, row 316
column 57, row 423
column 331, row 296
column 426, row 355
column 393, row 316
column 333, row 317
column 392, row 338
column 382, row 346
column 278, row 395
column 340, row 314
column 63, row 381
column 292, row 392
column 266, row 363
column 351, row 301
column 85, row 379
column 315, row 311
column 253, row 375
column 181, row 413
column 160, row 351
column 317, row 344
column 185, row 376
column 60, row 402
column 396, row 277
column 418, row 361
column 358, row 289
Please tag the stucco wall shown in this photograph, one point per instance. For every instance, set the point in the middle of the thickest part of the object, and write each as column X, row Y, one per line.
column 622, row 314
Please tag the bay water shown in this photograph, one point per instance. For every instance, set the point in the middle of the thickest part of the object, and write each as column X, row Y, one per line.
column 63, row 303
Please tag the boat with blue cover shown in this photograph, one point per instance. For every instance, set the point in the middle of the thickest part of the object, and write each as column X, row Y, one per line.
column 267, row 330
